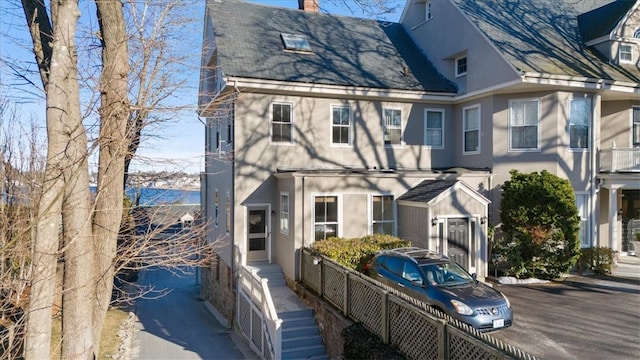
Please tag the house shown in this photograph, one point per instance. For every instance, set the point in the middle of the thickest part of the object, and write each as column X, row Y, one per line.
column 321, row 125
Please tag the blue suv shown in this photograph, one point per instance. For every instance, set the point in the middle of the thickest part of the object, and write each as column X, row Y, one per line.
column 441, row 283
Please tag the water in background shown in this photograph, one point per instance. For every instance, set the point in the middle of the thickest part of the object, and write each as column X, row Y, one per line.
column 156, row 196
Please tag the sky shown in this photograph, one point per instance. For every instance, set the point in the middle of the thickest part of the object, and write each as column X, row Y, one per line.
column 176, row 145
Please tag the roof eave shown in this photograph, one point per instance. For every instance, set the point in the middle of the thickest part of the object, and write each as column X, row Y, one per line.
column 580, row 82
column 324, row 90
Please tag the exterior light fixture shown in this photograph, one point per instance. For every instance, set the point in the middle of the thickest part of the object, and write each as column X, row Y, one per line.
column 483, row 220
column 434, row 221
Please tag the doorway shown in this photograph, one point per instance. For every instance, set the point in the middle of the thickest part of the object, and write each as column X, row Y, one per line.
column 458, row 241
column 258, row 235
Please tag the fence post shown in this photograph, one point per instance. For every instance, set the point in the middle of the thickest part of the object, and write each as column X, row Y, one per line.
column 385, row 317
column 346, row 293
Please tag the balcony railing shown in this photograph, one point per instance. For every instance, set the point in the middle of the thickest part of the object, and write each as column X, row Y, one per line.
column 620, row 160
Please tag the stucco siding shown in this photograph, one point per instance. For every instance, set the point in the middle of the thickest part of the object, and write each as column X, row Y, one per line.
column 311, row 135
column 485, row 67
column 616, row 123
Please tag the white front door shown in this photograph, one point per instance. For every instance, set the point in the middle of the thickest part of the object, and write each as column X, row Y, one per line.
column 258, row 236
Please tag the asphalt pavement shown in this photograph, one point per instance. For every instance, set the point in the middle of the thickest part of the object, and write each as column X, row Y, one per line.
column 178, row 325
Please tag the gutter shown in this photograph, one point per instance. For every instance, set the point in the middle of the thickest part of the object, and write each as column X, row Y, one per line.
column 579, row 81
column 326, row 90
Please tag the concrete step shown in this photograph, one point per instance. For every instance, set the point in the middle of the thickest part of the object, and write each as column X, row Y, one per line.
column 301, row 341
column 302, row 331
column 304, row 352
column 298, row 322
column 296, row 314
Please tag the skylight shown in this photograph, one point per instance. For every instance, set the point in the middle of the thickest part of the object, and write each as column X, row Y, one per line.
column 295, row 42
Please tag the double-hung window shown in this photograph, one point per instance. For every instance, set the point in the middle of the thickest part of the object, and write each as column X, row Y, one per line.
column 325, row 217
column 461, row 66
column 434, row 128
column 625, row 53
column 392, row 126
column 524, row 124
column 281, row 123
column 471, row 126
column 636, row 126
column 340, row 125
column 284, row 212
column 579, row 119
column 383, row 214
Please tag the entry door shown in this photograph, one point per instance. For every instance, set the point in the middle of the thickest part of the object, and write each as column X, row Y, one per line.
column 258, row 235
column 458, row 241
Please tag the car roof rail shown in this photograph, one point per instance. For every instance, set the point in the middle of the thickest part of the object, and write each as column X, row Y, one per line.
column 416, row 253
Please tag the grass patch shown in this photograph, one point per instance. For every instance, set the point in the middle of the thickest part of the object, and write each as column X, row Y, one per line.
column 109, row 343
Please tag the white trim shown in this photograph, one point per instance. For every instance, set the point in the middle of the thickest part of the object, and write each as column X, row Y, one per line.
column 384, row 127
column 441, row 111
column 291, row 115
column 466, row 65
column 625, row 61
column 631, row 124
column 464, row 109
column 394, row 230
column 331, row 125
column 313, row 214
column 332, row 91
column 589, row 129
column 588, row 216
column 282, row 230
column 509, row 125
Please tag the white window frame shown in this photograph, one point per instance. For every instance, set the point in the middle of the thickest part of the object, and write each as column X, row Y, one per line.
column 216, row 203
column 465, row 130
column 427, row 128
column 271, row 123
column 622, row 53
column 393, row 127
column 570, row 124
column 457, row 65
column 284, row 212
column 585, row 221
column 338, row 223
column 636, row 34
column 228, row 213
column 635, row 126
column 348, row 126
column 512, row 125
column 372, row 219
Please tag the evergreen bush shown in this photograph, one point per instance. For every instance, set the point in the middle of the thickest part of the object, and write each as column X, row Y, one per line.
column 540, row 226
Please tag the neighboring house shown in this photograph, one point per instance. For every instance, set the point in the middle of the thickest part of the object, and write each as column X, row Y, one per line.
column 321, row 125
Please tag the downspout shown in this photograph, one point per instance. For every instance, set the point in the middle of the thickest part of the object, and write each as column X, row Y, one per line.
column 303, row 229
column 595, row 149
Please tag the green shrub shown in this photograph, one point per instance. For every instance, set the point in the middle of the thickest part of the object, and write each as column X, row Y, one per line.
column 540, row 225
column 600, row 260
column 356, row 253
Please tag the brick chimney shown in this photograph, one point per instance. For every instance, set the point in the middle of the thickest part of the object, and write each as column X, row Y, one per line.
column 309, row 5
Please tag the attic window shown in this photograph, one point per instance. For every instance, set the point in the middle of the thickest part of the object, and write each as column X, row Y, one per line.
column 295, row 42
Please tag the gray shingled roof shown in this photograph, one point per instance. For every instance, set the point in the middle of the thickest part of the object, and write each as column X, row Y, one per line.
column 345, row 50
column 601, row 21
column 542, row 36
column 427, row 190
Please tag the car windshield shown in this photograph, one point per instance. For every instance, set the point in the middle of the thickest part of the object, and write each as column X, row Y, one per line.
column 446, row 274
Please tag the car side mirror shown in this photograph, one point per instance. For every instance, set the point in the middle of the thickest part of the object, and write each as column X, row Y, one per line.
column 418, row 283
column 474, row 276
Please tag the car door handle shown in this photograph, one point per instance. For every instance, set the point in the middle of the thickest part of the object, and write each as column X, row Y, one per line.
column 399, row 284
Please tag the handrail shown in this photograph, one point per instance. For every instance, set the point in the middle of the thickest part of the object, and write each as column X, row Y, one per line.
column 258, row 290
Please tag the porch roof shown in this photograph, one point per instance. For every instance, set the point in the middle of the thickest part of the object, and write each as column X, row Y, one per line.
column 427, row 190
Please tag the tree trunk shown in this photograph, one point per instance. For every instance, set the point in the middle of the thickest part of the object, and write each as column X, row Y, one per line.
column 58, row 72
column 113, row 145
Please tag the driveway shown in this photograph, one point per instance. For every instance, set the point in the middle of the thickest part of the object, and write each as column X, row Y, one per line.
column 178, row 325
column 579, row 318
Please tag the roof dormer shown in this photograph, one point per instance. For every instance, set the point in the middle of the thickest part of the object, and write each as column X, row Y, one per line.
column 614, row 31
